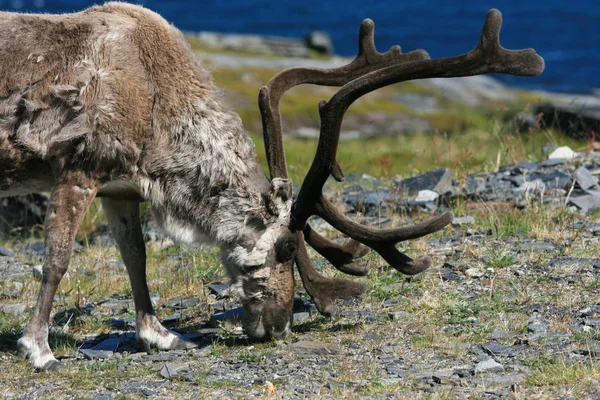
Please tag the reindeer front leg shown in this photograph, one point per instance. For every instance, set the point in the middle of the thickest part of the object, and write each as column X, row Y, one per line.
column 70, row 199
column 124, row 221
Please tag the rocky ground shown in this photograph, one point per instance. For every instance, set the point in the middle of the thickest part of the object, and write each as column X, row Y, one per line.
column 510, row 310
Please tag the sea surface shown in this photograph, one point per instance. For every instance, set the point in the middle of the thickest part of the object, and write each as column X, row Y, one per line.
column 565, row 33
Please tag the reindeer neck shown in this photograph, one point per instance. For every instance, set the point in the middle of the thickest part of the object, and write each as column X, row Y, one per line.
column 204, row 181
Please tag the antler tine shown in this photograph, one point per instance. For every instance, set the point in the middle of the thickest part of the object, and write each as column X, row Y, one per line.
column 341, row 257
column 324, row 291
column 487, row 57
column 383, row 241
column 367, row 60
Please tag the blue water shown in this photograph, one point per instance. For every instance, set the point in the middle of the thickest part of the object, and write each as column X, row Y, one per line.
column 565, row 33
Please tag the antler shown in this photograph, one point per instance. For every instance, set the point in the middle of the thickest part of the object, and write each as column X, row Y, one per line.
column 370, row 71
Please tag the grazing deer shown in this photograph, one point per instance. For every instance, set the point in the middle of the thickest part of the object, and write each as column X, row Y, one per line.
column 111, row 102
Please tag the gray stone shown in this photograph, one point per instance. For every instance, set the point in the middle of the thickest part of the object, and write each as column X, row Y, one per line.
column 474, row 273
column 37, row 272
column 504, row 380
column 585, row 203
column 13, row 308
column 553, row 162
column 537, row 246
column 427, row 196
column 182, row 304
column 175, row 319
column 162, row 357
column 530, row 187
column 448, row 275
column 118, row 305
column 439, row 181
column 592, row 322
column 128, row 323
column 305, row 347
column 175, row 370
column 538, row 327
column 489, row 365
column 301, row 317
column 577, row 116
column 36, row 248
column 4, row 252
column 320, row 42
column 475, row 186
column 527, row 166
column 230, row 317
column 584, row 178
column 557, row 180
column 563, row 152
column 220, row 289
column 460, row 221
column 92, row 354
column 493, row 349
column 110, row 344
column 499, row 334
column 574, row 262
column 398, row 315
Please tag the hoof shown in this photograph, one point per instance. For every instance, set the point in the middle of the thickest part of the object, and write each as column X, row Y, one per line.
column 22, row 352
column 182, row 344
column 52, row 365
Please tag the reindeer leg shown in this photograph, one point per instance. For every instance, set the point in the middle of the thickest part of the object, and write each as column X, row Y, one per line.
column 69, row 200
column 124, row 221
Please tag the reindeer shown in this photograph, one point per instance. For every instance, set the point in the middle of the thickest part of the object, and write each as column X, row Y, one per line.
column 112, row 103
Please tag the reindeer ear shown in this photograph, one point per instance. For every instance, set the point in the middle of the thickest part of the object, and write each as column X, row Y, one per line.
column 280, row 193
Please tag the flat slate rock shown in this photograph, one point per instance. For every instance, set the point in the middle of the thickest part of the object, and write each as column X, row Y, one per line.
column 493, row 349
column 584, row 178
column 111, row 344
column 182, row 304
column 305, row 347
column 503, row 380
column 92, row 354
column 439, row 181
column 489, row 365
column 574, row 262
column 220, row 289
column 4, row 252
column 585, row 203
column 175, row 370
column 13, row 308
column 233, row 315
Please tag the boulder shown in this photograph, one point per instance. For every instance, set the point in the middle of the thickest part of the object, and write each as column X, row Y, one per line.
column 439, row 181
column 320, row 42
column 579, row 118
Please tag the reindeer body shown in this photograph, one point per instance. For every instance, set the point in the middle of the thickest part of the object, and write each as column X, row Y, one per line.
column 111, row 102
column 93, row 91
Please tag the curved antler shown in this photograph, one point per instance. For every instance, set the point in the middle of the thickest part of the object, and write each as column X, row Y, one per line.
column 487, row 57
column 370, row 71
column 367, row 60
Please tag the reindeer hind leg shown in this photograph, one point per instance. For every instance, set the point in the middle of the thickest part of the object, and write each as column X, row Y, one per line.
column 69, row 200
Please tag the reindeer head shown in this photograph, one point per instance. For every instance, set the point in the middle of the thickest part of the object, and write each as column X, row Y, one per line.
column 267, row 291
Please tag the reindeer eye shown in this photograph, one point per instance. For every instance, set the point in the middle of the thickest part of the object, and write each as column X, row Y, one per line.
column 285, row 249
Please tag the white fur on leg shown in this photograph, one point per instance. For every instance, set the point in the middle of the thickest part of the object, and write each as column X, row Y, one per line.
column 155, row 335
column 39, row 354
